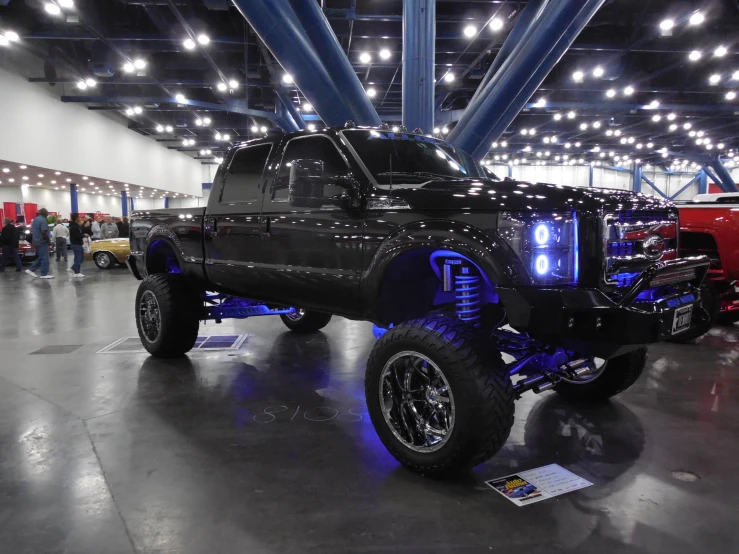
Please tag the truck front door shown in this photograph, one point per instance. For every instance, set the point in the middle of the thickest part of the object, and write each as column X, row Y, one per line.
column 311, row 254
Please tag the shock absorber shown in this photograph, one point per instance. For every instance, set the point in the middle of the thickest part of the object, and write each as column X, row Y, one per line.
column 467, row 294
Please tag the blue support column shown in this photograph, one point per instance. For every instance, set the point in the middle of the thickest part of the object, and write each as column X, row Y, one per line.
column 529, row 14
column 726, row 182
column 590, row 177
column 419, row 41
column 124, row 203
column 702, row 182
column 636, row 178
column 290, row 108
column 497, row 105
column 510, row 171
column 73, row 198
column 301, row 39
column 133, row 204
column 283, row 119
column 166, row 202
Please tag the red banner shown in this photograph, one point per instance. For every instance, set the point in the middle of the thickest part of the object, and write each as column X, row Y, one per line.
column 10, row 209
column 29, row 212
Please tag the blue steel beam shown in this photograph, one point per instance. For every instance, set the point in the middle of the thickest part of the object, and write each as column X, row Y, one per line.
column 498, row 104
column 726, row 181
column 292, row 111
column 419, row 42
column 651, row 184
column 528, row 15
column 688, row 184
column 703, row 182
column 305, row 46
column 283, row 119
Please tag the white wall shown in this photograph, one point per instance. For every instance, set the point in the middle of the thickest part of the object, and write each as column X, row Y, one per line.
column 36, row 128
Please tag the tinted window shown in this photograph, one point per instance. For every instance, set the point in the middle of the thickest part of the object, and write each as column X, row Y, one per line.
column 244, row 176
column 407, row 158
column 309, row 148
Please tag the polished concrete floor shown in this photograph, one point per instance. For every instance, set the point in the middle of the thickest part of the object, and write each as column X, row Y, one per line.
column 270, row 450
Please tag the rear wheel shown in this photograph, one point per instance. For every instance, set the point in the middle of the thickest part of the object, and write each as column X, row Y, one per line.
column 704, row 317
column 608, row 378
column 440, row 401
column 167, row 315
column 302, row 321
column 103, row 260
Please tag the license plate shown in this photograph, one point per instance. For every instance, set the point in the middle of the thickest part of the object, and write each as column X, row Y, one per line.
column 29, row 254
column 681, row 320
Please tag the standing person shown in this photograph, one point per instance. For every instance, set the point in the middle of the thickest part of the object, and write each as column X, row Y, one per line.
column 86, row 227
column 61, row 235
column 95, row 227
column 41, row 238
column 9, row 239
column 108, row 230
column 76, row 240
column 123, row 228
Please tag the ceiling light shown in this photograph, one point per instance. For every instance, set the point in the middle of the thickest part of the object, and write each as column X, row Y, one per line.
column 84, row 178
column 223, row 87
column 540, row 103
column 623, row 140
column 730, row 95
column 671, row 117
column 233, row 83
column 720, row 52
column 263, row 129
column 199, row 122
column 714, row 79
column 697, row 18
column 189, row 44
column 311, row 127
column 687, row 126
column 160, row 129
column 365, row 57
column 184, row 142
column 449, row 77
column 699, row 141
column 596, row 125
column 567, row 144
column 53, row 9
column 610, row 93
column 226, row 137
column 306, row 107
column 578, row 76
column 129, row 112
column 81, row 85
column 571, row 115
column 524, row 131
column 735, row 76
column 41, row 175
column 673, row 127
column 470, row 31
column 138, row 63
column 203, row 39
column 694, row 55
column 4, row 41
column 180, row 98
column 617, row 133
column 639, row 145
column 137, row 109
column 720, row 146
column 630, row 140
column 25, row 178
column 12, row 36
column 654, row 104
column 445, row 131
column 656, row 118
column 191, row 142
column 557, row 116
column 169, row 128
column 206, row 121
column 254, row 129
column 371, row 92
column 128, row 67
column 609, row 133
column 90, row 82
column 287, row 78
column 437, row 131
column 709, row 146
column 385, row 54
column 666, row 24
column 583, row 126
column 598, row 72
column 650, row 144
column 628, row 91
column 700, row 133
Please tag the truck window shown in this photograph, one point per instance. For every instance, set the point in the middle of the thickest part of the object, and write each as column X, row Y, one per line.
column 309, row 148
column 244, row 176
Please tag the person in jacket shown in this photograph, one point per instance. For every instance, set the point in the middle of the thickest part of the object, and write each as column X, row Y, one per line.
column 61, row 236
column 76, row 241
column 95, row 228
column 108, row 230
column 123, row 227
column 41, row 239
column 86, row 227
column 9, row 239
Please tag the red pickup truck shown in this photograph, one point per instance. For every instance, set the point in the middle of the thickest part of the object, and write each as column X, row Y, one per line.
column 710, row 226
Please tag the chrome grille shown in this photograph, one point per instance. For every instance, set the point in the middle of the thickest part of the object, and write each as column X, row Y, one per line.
column 634, row 239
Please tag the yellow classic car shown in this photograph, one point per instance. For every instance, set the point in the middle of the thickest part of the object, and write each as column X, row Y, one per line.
column 109, row 252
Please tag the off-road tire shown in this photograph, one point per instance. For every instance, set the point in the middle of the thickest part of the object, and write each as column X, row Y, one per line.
column 619, row 374
column 711, row 303
column 310, row 322
column 179, row 308
column 482, row 390
column 99, row 256
column 728, row 318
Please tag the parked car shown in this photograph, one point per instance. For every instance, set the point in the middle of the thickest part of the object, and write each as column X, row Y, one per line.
column 406, row 231
column 26, row 249
column 710, row 226
column 109, row 252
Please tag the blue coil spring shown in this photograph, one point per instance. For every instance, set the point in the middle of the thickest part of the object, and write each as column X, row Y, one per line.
column 467, row 294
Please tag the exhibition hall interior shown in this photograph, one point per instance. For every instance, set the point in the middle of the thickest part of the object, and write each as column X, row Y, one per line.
column 343, row 276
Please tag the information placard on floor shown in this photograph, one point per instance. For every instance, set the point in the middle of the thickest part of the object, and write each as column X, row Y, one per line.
column 534, row 485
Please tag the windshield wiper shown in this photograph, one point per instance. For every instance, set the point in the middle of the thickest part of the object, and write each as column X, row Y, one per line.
column 417, row 173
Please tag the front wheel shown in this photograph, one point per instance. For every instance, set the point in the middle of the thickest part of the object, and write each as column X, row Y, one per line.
column 167, row 315
column 608, row 378
column 439, row 400
column 302, row 321
column 103, row 260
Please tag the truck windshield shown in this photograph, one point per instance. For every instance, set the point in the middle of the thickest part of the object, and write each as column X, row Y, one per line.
column 396, row 158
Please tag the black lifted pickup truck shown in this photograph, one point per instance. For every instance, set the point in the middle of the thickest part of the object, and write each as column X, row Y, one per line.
column 479, row 289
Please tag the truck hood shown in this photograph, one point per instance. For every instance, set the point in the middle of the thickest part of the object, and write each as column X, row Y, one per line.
column 488, row 195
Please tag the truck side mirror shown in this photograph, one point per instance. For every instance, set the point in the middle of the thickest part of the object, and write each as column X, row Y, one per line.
column 310, row 188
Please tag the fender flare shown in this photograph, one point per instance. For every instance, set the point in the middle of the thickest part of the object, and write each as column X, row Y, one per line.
column 493, row 256
column 162, row 233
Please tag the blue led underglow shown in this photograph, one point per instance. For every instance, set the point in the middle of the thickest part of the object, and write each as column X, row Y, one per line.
column 541, row 234
column 576, row 246
column 542, row 264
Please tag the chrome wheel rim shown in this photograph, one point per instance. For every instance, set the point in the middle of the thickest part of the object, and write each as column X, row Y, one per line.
column 417, row 401
column 150, row 318
column 103, row 260
column 597, row 367
column 297, row 315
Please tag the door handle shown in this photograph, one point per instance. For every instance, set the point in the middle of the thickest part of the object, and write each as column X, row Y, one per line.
column 266, row 226
column 213, row 224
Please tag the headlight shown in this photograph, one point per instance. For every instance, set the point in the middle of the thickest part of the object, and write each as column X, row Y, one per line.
column 545, row 243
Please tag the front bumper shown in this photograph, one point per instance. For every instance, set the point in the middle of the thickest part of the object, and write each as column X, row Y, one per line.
column 592, row 323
